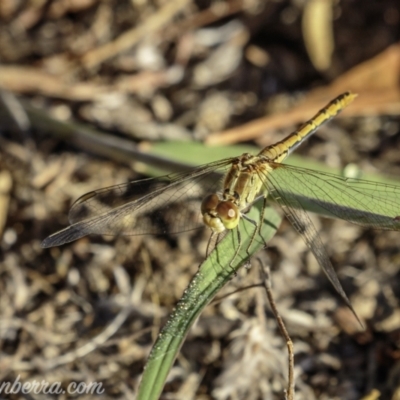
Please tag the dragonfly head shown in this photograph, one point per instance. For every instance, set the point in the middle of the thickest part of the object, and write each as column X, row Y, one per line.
column 219, row 214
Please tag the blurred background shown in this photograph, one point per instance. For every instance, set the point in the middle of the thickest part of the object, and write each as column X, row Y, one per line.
column 94, row 93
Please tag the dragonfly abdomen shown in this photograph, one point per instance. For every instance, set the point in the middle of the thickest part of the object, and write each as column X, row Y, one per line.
column 280, row 150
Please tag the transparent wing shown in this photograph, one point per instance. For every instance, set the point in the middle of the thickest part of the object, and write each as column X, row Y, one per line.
column 150, row 206
column 362, row 202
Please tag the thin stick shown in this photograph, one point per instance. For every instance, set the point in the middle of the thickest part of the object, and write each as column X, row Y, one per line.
column 265, row 275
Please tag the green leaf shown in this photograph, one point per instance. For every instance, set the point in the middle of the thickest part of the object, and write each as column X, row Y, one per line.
column 194, row 153
column 218, row 268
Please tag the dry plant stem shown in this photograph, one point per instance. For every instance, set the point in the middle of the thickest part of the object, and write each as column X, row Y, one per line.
column 255, row 128
column 218, row 300
column 265, row 275
column 377, row 96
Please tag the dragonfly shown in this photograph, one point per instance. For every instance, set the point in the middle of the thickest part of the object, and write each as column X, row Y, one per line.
column 170, row 204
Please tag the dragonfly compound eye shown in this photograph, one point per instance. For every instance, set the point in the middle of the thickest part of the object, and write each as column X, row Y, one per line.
column 210, row 215
column 229, row 214
column 209, row 204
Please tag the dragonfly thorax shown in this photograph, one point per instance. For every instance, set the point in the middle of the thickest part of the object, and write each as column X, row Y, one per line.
column 219, row 214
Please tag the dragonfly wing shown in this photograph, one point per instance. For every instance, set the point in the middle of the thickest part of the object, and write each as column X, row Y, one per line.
column 366, row 203
column 68, row 234
column 362, row 202
column 300, row 220
column 150, row 206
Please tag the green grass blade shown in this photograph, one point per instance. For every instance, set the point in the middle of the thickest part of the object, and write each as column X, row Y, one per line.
column 194, row 153
column 213, row 274
column 330, row 200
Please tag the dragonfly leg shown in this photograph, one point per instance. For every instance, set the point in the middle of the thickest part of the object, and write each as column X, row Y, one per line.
column 209, row 244
column 257, row 227
column 215, row 239
column 262, row 213
column 239, row 245
column 253, row 235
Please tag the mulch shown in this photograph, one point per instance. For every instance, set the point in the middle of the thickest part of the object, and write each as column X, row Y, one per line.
column 217, row 72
